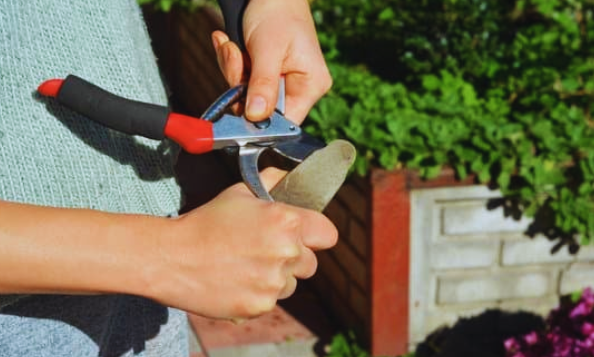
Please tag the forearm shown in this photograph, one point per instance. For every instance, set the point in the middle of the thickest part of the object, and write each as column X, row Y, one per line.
column 54, row 250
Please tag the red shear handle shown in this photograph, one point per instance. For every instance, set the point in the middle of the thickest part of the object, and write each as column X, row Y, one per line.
column 129, row 116
column 193, row 135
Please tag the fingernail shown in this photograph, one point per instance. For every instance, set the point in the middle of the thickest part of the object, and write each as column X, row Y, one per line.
column 216, row 41
column 256, row 106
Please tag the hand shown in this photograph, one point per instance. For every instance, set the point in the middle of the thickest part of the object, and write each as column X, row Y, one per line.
column 237, row 255
column 280, row 38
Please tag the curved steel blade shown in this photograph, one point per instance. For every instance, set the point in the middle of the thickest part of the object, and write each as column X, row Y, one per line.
column 298, row 150
column 280, row 102
column 248, row 165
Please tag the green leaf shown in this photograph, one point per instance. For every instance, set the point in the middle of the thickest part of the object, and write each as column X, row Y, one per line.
column 504, row 179
column 484, row 175
column 455, row 83
column 576, row 296
column 432, row 171
column 386, row 14
column 570, row 84
column 431, row 82
column 461, row 171
column 469, row 95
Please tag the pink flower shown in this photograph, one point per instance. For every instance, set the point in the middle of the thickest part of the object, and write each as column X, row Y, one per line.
column 569, row 332
column 511, row 345
column 588, row 329
column 583, row 308
column 531, row 338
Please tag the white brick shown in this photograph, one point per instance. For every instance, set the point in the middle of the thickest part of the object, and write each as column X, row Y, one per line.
column 490, row 287
column 541, row 306
column 464, row 255
column 577, row 277
column 473, row 217
column 534, row 251
column 586, row 253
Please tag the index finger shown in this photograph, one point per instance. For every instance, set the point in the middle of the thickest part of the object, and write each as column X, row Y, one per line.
column 266, row 60
column 318, row 232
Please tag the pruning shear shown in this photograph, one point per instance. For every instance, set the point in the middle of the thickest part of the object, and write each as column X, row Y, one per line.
column 216, row 129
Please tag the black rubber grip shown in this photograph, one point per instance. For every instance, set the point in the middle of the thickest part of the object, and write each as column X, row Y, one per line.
column 121, row 114
column 233, row 14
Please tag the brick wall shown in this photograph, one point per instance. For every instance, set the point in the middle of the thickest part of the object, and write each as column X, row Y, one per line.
column 466, row 258
column 463, row 258
column 343, row 273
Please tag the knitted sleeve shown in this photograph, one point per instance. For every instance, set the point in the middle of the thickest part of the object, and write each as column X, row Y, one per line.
column 48, row 154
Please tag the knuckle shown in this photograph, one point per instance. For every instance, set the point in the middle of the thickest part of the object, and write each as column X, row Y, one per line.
column 255, row 305
column 262, row 304
column 308, row 265
column 289, row 289
column 311, row 269
column 276, row 212
column 288, row 252
column 264, row 82
column 326, row 82
column 287, row 220
column 277, row 283
column 291, row 221
column 242, row 308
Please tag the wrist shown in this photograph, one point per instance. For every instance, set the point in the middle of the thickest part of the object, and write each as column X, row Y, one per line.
column 149, row 238
column 161, row 273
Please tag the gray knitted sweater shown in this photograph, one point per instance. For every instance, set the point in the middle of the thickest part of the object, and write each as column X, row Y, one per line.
column 51, row 156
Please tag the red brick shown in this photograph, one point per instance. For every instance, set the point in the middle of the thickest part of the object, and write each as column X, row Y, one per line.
column 355, row 267
column 344, row 311
column 339, row 215
column 390, row 251
column 275, row 326
column 329, row 268
column 321, row 285
column 356, row 201
column 337, row 303
column 359, row 302
column 447, row 177
column 361, row 182
column 359, row 238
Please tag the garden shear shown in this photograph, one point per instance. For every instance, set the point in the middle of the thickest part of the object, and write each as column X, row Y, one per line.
column 216, row 129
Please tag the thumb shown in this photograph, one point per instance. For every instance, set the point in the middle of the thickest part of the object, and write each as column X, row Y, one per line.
column 271, row 176
column 265, row 75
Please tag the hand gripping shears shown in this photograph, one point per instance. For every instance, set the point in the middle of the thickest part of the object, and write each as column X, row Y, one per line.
column 216, row 129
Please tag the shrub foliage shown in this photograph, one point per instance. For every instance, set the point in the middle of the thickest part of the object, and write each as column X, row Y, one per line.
column 500, row 89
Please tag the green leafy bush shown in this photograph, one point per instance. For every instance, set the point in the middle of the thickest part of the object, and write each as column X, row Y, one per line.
column 500, row 89
column 345, row 345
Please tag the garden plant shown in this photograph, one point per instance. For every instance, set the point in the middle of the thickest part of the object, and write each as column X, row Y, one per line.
column 569, row 331
column 499, row 89
column 502, row 90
